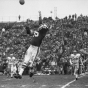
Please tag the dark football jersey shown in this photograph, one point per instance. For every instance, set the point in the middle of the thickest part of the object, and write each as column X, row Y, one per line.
column 38, row 37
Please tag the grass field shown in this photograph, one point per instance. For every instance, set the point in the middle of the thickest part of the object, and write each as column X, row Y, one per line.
column 45, row 81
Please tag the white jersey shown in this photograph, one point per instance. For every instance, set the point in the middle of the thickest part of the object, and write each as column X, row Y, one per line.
column 75, row 58
column 11, row 60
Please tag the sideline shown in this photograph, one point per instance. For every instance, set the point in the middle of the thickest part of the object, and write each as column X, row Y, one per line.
column 82, row 75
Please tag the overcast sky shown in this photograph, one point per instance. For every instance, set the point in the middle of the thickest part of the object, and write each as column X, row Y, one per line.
column 10, row 9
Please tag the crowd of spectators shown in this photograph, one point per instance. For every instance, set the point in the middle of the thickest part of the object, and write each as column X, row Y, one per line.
column 64, row 36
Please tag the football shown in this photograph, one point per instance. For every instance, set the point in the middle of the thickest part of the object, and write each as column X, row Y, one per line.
column 22, row 2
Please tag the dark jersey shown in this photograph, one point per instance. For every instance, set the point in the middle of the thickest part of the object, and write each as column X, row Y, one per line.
column 38, row 37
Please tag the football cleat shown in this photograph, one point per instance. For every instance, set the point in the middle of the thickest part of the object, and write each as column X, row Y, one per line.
column 17, row 76
column 31, row 74
column 76, row 78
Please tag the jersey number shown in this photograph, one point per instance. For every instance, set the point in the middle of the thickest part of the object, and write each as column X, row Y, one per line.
column 36, row 34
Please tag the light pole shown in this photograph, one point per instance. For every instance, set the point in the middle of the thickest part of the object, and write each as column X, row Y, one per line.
column 40, row 18
column 55, row 12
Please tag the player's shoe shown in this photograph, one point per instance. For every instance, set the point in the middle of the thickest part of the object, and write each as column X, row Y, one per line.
column 17, row 76
column 31, row 74
column 31, row 71
column 76, row 76
column 11, row 76
column 76, row 79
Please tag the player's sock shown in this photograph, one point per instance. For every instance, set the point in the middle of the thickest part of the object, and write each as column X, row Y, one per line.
column 76, row 76
column 11, row 75
column 19, row 76
column 31, row 73
column 21, row 71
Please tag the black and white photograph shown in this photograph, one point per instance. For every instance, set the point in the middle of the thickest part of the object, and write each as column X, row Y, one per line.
column 43, row 43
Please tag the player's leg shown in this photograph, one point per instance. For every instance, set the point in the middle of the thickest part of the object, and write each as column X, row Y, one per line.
column 29, row 58
column 8, row 70
column 73, row 69
column 76, row 71
column 24, row 64
column 34, row 55
column 12, row 70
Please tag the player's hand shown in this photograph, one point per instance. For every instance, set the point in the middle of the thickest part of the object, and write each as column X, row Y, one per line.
column 28, row 30
column 43, row 26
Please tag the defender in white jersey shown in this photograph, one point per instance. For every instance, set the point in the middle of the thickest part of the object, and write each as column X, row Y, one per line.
column 75, row 60
column 11, row 64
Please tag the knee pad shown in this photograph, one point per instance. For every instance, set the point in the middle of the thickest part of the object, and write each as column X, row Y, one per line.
column 31, row 74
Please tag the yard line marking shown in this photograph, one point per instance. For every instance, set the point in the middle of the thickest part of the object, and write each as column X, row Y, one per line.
column 42, row 86
column 64, row 86
column 86, row 85
column 57, row 85
column 68, row 84
column 6, row 79
column 23, row 86
column 2, row 85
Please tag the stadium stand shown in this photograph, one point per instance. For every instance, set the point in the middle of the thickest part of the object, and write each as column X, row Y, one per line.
column 65, row 35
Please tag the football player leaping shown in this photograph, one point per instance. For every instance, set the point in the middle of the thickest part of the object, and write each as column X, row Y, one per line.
column 34, row 47
column 75, row 60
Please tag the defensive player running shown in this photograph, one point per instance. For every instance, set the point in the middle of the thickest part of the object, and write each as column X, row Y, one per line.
column 10, row 67
column 34, row 48
column 75, row 60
